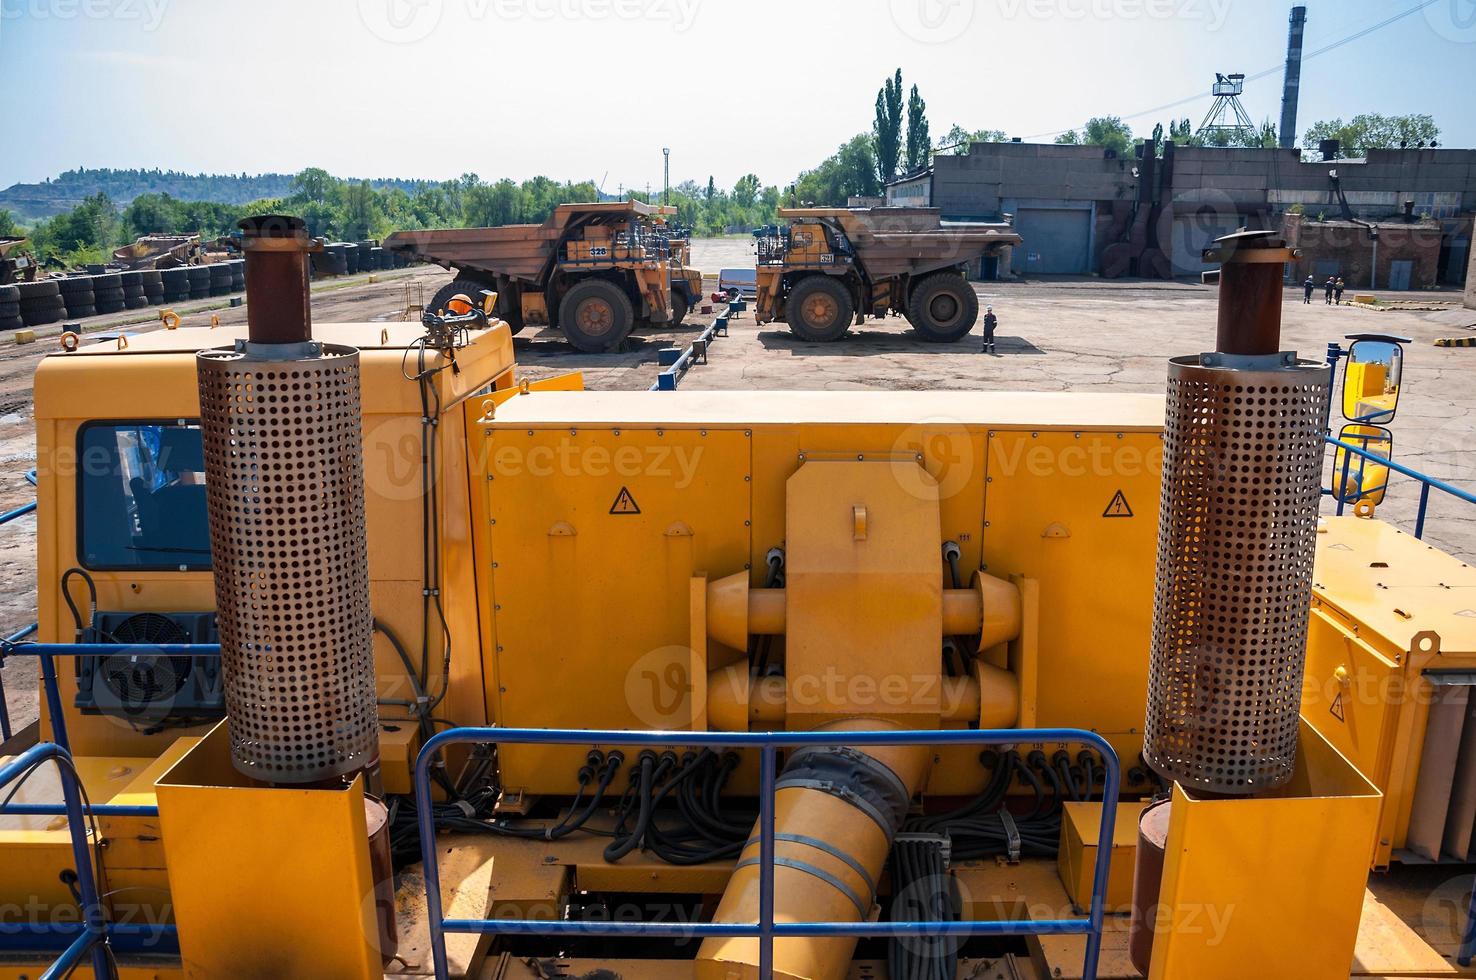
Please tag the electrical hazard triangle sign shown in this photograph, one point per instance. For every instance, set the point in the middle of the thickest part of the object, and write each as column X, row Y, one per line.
column 1337, row 708
column 1118, row 506
column 624, row 503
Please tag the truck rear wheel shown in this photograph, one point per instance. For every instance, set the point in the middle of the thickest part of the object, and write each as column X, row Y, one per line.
column 679, row 307
column 473, row 291
column 819, row 309
column 943, row 308
column 596, row 316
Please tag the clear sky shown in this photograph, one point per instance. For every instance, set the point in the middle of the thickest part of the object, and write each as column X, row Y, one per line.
column 577, row 89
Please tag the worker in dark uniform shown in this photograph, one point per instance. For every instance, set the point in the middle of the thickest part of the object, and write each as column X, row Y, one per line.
column 1307, row 288
column 1327, row 290
column 990, row 322
column 1338, row 288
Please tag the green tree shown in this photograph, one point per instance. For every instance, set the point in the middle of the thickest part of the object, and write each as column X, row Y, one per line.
column 960, row 138
column 919, row 143
column 745, row 192
column 314, row 184
column 850, row 171
column 8, row 227
column 1373, row 131
column 886, row 131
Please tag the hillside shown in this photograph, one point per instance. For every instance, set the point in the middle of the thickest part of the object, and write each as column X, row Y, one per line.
column 29, row 202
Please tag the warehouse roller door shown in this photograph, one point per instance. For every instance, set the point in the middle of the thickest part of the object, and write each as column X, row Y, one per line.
column 1057, row 241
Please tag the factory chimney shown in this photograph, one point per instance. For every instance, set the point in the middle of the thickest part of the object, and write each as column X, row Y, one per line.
column 1292, row 83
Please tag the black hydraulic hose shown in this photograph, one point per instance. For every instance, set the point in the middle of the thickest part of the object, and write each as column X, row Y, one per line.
column 620, row 848
column 72, row 605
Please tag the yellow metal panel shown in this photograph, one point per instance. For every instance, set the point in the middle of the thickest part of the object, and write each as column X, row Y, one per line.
column 1053, row 513
column 596, row 533
column 292, row 863
column 1271, row 885
column 863, row 593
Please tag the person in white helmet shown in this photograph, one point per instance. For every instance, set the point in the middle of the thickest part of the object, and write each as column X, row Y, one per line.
column 990, row 322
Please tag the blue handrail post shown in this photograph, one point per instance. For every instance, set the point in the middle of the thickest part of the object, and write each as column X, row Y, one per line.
column 1420, row 516
column 768, row 765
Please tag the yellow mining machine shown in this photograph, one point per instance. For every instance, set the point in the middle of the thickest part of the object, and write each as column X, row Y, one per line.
column 593, row 270
column 362, row 657
column 827, row 269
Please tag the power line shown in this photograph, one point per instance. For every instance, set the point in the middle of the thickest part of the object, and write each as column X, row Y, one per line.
column 1264, row 72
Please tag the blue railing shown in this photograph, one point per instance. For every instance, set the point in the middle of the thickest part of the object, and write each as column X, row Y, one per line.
column 93, row 932
column 675, row 367
column 1340, row 490
column 48, row 652
column 765, row 929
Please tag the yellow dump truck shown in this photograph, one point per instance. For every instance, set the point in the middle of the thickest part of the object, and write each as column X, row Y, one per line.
column 592, row 270
column 828, row 268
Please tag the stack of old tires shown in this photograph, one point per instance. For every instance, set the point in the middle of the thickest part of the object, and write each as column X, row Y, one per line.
column 351, row 257
column 108, row 292
column 153, row 286
column 199, row 276
column 133, row 290
column 77, row 296
column 40, row 302
column 366, row 257
column 10, row 311
column 176, row 284
column 220, row 278
column 238, row 275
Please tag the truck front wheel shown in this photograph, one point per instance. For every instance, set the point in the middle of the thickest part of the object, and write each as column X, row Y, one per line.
column 943, row 308
column 596, row 316
column 819, row 309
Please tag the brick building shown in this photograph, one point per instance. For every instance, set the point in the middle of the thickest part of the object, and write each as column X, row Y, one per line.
column 1408, row 253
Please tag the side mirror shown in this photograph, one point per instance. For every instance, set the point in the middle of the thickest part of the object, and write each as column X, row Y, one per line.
column 1371, row 382
column 1356, row 477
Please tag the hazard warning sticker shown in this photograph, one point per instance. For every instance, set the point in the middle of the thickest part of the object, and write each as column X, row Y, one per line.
column 1336, row 710
column 624, row 503
column 1118, row 506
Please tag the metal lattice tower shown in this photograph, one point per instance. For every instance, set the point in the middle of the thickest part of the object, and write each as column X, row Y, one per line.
column 1227, row 123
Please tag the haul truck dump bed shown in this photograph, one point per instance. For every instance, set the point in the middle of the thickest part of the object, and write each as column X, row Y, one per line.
column 593, row 270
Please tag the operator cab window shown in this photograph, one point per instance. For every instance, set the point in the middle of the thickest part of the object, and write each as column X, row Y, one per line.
column 141, row 494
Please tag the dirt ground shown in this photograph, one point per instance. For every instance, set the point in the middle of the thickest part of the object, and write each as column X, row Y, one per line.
column 1053, row 336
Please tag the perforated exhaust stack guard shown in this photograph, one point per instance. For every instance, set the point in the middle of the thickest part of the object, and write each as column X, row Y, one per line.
column 282, row 429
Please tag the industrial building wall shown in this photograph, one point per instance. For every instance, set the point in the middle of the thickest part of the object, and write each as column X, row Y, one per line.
column 1213, row 191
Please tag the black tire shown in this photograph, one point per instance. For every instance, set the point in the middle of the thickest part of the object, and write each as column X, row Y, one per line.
column 443, row 295
column 172, row 298
column 11, row 323
column 75, row 285
column 943, row 308
column 596, row 316
column 37, row 316
column 819, row 309
column 132, row 279
column 9, row 294
column 109, row 294
column 135, row 301
column 9, row 309
column 197, row 273
column 175, row 279
column 78, row 312
column 38, row 289
column 107, row 280
column 152, row 277
column 76, row 301
column 154, row 296
column 679, row 307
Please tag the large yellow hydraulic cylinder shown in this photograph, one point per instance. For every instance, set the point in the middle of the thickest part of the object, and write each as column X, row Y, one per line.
column 829, row 851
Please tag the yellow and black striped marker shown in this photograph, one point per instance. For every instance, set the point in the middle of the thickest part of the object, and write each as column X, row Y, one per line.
column 1456, row 342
